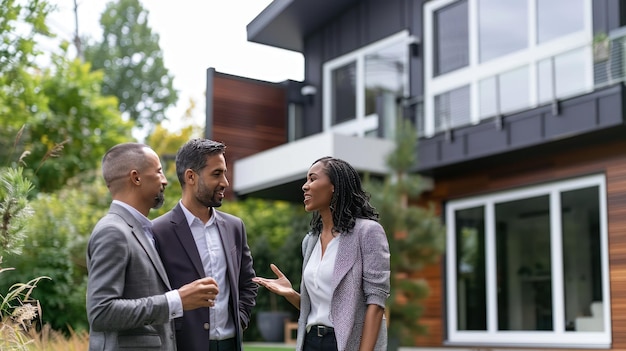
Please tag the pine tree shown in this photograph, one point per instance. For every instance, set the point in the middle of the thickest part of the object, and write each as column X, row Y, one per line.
column 416, row 234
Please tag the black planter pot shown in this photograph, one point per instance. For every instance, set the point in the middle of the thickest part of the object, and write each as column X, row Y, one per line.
column 272, row 325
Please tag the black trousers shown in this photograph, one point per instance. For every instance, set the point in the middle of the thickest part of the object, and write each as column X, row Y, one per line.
column 320, row 338
column 222, row 345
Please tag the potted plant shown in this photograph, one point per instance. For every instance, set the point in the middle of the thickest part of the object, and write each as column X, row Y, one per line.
column 601, row 47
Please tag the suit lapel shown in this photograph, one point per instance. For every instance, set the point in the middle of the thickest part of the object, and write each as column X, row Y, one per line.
column 346, row 256
column 181, row 228
column 308, row 247
column 152, row 254
column 137, row 231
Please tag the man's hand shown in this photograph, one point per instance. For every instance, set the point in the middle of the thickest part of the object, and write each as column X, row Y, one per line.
column 199, row 293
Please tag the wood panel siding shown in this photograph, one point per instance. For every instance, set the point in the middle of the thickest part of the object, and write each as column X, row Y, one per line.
column 249, row 116
column 608, row 158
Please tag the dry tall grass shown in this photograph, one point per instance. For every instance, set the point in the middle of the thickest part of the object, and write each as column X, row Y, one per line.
column 13, row 338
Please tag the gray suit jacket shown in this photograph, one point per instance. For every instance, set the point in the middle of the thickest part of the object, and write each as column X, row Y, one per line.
column 361, row 277
column 183, row 265
column 126, row 303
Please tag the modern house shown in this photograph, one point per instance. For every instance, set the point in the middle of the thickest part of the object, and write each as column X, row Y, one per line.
column 520, row 110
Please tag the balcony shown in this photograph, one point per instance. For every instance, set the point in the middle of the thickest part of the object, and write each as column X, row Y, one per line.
column 563, row 113
column 279, row 173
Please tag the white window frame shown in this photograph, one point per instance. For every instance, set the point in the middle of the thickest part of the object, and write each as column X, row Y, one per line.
column 474, row 72
column 361, row 124
column 559, row 336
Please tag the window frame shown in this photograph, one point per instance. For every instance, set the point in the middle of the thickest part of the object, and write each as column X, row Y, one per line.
column 361, row 124
column 475, row 71
column 559, row 336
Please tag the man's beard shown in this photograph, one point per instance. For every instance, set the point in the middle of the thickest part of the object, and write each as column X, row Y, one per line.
column 159, row 200
column 209, row 202
column 206, row 197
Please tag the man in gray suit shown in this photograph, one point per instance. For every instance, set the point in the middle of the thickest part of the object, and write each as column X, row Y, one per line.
column 130, row 304
column 196, row 240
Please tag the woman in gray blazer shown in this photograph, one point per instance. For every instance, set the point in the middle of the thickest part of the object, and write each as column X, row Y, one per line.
column 345, row 275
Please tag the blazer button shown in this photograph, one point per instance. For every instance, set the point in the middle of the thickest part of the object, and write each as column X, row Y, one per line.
column 206, row 326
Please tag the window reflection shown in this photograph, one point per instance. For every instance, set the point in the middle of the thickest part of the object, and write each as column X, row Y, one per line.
column 570, row 20
column 471, row 280
column 563, row 75
column 514, row 90
column 523, row 260
column 385, row 74
column 582, row 270
column 502, row 26
column 452, row 38
column 344, row 93
column 386, row 77
column 452, row 108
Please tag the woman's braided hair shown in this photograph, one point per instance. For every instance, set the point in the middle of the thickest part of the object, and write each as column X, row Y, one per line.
column 349, row 201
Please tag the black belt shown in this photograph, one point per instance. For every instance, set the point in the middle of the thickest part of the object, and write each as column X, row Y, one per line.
column 321, row 330
column 222, row 345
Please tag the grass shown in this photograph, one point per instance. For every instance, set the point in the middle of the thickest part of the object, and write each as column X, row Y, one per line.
column 267, row 347
column 46, row 339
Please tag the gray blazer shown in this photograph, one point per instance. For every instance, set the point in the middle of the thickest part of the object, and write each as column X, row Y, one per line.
column 126, row 304
column 361, row 277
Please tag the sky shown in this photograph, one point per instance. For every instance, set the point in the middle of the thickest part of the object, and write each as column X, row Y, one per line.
column 194, row 35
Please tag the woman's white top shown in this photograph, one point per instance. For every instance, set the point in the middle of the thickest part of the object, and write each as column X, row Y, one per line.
column 317, row 276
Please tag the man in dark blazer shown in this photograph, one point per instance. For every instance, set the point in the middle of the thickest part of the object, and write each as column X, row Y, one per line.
column 130, row 304
column 195, row 240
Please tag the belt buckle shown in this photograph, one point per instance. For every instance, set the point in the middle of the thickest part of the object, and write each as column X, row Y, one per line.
column 321, row 330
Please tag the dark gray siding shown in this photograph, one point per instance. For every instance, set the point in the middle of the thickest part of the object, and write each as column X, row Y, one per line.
column 361, row 25
column 599, row 112
column 608, row 15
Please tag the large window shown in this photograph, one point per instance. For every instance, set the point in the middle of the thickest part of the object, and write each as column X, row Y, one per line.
column 363, row 89
column 530, row 266
column 508, row 55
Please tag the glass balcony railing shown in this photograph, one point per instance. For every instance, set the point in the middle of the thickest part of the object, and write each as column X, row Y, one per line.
column 568, row 74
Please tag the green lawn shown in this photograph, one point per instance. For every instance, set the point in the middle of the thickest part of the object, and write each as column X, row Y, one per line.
column 267, row 347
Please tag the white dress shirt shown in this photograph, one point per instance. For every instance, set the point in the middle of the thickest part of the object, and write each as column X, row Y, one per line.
column 318, row 277
column 213, row 258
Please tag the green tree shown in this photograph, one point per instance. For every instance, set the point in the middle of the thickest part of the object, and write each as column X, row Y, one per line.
column 275, row 231
column 57, row 238
column 20, row 26
column 132, row 61
column 79, row 121
column 60, row 104
column 416, row 235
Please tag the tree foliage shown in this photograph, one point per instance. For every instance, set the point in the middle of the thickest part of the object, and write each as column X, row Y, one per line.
column 15, row 210
column 18, row 309
column 20, row 94
column 79, row 119
column 416, row 234
column 57, row 239
column 132, row 61
column 275, row 231
column 59, row 103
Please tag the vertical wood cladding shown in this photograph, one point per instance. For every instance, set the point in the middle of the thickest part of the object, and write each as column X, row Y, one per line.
column 608, row 159
column 249, row 116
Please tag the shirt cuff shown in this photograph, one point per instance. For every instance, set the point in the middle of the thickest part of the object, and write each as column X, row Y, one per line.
column 174, row 303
